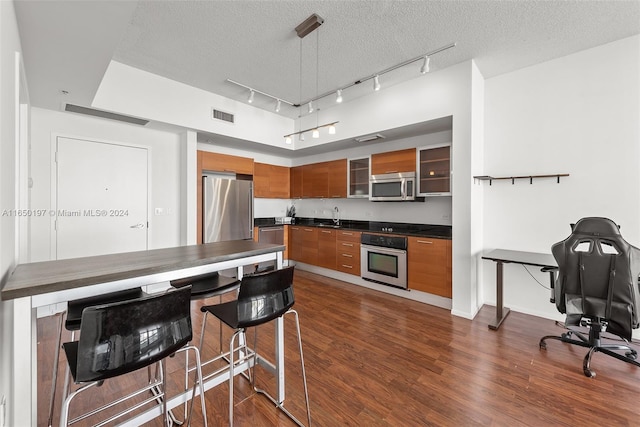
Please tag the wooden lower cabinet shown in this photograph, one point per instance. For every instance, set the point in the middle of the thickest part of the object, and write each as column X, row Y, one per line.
column 348, row 251
column 327, row 248
column 304, row 244
column 429, row 265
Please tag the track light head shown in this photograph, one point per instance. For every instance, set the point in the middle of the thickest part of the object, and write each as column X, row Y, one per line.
column 376, row 83
column 310, row 107
column 302, row 137
column 339, row 96
column 278, row 105
column 251, row 96
column 425, row 65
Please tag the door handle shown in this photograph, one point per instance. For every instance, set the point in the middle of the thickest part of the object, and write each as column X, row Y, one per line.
column 139, row 225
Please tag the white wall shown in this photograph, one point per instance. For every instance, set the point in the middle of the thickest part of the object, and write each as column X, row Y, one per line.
column 166, row 154
column 17, row 394
column 579, row 114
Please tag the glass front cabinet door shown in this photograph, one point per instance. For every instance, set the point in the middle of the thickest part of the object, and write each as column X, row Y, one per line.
column 358, row 177
column 434, row 169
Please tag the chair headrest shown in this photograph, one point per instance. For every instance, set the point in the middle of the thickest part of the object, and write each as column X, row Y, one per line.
column 596, row 227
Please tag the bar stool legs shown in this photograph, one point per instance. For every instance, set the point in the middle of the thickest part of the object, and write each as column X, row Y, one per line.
column 280, row 405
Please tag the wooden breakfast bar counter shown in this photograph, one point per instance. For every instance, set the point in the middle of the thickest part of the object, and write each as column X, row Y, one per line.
column 39, row 284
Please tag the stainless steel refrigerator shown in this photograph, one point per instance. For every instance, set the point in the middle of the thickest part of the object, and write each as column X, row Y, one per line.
column 227, row 209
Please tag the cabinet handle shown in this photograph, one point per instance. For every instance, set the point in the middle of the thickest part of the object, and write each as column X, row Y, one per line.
column 344, row 233
column 347, row 266
column 347, row 255
column 347, row 244
column 425, row 241
column 308, row 229
column 325, row 231
column 391, row 172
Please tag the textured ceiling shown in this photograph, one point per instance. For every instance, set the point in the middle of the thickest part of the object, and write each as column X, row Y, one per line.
column 203, row 43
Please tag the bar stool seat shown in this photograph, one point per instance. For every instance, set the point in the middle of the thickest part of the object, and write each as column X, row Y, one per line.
column 207, row 285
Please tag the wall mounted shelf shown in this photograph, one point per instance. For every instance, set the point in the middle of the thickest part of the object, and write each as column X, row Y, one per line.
column 513, row 178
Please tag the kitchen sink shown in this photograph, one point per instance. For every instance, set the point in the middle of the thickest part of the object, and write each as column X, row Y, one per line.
column 327, row 225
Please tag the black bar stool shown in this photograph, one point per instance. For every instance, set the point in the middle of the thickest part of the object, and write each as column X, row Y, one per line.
column 122, row 337
column 262, row 297
column 72, row 324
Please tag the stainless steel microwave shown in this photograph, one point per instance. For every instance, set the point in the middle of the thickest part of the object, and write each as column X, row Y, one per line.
column 392, row 187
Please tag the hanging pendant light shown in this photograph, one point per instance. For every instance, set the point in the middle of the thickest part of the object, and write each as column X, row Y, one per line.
column 339, row 96
column 425, row 65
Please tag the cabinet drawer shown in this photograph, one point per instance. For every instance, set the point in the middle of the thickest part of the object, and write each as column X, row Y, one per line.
column 348, row 236
column 348, row 263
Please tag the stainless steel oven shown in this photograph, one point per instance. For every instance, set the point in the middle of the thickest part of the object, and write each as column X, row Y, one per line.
column 383, row 259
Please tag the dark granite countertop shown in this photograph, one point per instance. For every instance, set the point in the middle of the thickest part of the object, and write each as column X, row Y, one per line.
column 401, row 228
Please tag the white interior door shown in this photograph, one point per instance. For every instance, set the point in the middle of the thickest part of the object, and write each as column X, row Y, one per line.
column 101, row 198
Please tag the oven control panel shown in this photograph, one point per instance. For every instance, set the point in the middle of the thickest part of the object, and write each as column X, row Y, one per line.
column 395, row 242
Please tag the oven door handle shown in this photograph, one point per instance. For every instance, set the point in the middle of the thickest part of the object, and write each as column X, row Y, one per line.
column 384, row 250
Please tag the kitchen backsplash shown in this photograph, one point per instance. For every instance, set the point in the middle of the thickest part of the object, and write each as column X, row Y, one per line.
column 435, row 210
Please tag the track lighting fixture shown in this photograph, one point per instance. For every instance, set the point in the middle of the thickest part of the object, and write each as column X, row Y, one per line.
column 425, row 65
column 425, row 68
column 313, row 131
column 306, row 28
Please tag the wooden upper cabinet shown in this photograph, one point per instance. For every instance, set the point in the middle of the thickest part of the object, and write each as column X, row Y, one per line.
column 226, row 163
column 271, row 181
column 394, row 162
column 295, row 179
column 337, row 178
column 315, row 180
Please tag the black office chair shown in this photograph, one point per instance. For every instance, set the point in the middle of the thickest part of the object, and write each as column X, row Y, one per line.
column 597, row 287
column 72, row 318
column 122, row 337
column 262, row 297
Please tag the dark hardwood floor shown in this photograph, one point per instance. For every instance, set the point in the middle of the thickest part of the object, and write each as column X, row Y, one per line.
column 374, row 359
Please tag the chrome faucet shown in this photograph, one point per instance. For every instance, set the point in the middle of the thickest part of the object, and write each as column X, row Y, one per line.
column 336, row 215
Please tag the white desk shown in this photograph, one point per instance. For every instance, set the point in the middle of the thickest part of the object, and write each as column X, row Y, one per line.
column 39, row 284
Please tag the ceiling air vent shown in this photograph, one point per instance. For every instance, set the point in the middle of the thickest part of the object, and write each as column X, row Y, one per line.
column 104, row 114
column 368, row 138
column 221, row 115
